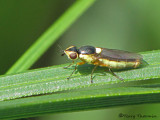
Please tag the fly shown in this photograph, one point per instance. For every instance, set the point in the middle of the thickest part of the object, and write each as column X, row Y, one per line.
column 104, row 57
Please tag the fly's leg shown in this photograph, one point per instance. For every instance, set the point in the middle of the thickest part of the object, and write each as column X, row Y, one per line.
column 115, row 74
column 92, row 73
column 69, row 65
column 72, row 72
column 80, row 63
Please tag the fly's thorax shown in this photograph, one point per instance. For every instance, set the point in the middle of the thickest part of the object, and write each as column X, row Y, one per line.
column 87, row 54
column 89, row 58
column 87, row 50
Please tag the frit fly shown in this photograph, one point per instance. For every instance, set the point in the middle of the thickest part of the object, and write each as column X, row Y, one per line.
column 104, row 57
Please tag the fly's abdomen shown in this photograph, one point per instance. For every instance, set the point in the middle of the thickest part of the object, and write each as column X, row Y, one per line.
column 119, row 64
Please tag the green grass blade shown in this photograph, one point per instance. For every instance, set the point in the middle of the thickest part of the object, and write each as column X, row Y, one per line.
column 57, row 94
column 73, row 101
column 48, row 80
column 50, row 36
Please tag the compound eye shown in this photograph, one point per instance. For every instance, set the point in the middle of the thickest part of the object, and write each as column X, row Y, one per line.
column 73, row 55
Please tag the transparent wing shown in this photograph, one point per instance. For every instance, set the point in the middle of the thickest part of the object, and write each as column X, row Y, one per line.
column 119, row 55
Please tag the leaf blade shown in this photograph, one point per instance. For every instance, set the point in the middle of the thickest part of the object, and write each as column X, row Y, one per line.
column 49, row 80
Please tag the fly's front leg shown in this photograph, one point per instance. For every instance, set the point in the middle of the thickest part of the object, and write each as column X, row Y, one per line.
column 80, row 63
column 72, row 72
column 69, row 65
column 115, row 74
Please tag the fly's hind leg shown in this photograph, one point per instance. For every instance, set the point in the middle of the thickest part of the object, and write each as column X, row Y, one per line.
column 115, row 74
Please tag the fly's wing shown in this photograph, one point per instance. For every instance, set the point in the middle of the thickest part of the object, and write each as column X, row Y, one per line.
column 119, row 55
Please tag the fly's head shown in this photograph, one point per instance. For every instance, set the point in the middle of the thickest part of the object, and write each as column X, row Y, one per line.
column 71, row 52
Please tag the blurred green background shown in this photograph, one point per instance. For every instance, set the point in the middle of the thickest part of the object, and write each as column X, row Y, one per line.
column 132, row 25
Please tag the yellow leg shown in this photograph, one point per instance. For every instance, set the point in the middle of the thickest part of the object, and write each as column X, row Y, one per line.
column 115, row 74
column 93, row 72
column 72, row 72
column 69, row 65
column 80, row 63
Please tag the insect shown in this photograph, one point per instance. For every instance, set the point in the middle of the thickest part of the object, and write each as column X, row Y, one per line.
column 104, row 57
